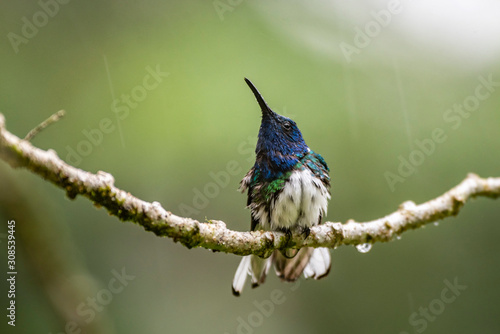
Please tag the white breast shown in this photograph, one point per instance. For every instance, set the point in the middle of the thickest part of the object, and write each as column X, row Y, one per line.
column 301, row 202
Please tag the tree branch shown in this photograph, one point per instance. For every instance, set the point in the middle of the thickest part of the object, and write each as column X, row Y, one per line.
column 213, row 234
column 52, row 119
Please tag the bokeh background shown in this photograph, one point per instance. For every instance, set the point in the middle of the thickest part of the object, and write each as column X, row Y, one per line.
column 364, row 88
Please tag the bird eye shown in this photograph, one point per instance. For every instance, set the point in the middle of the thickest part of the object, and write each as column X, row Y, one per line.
column 287, row 125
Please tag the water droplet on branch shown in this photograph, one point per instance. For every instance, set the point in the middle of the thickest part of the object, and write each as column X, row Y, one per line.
column 364, row 248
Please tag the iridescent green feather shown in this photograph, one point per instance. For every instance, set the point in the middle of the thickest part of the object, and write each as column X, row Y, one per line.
column 317, row 166
column 275, row 186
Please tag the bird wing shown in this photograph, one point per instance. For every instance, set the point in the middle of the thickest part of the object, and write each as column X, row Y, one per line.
column 317, row 165
column 248, row 182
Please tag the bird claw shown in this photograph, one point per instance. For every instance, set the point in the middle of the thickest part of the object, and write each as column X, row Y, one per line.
column 306, row 231
column 288, row 253
column 287, row 231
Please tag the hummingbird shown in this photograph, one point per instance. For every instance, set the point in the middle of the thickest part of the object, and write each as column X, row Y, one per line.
column 288, row 191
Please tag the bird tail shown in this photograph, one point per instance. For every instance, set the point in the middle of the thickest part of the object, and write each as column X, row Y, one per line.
column 319, row 264
column 254, row 266
column 312, row 262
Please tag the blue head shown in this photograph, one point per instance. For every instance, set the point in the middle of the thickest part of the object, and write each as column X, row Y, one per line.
column 280, row 142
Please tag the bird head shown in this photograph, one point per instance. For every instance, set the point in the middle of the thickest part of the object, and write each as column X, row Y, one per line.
column 280, row 140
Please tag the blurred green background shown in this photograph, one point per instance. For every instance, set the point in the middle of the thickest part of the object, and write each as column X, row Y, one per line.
column 362, row 112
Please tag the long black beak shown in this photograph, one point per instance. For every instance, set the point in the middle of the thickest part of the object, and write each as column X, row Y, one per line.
column 263, row 105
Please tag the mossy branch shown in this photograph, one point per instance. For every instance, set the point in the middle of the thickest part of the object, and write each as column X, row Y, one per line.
column 214, row 235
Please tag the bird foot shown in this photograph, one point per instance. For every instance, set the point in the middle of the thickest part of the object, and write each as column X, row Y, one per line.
column 288, row 253
column 287, row 232
column 306, row 231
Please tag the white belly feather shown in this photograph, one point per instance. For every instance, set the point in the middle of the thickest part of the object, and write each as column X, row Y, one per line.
column 301, row 202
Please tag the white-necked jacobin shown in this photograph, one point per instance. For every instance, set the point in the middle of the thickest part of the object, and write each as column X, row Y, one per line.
column 288, row 190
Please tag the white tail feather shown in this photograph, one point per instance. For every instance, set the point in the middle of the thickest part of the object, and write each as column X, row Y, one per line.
column 319, row 264
column 259, row 269
column 240, row 276
column 254, row 266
